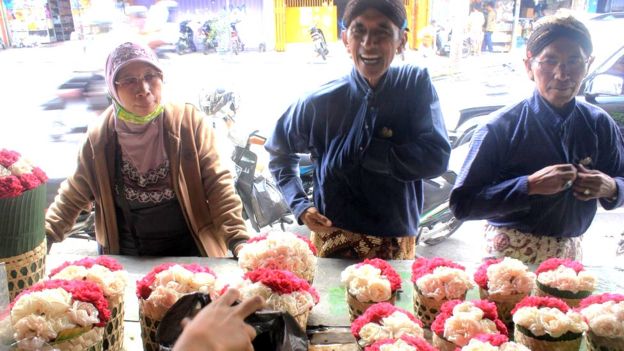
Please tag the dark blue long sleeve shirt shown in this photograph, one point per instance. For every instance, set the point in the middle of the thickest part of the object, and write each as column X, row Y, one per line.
column 371, row 149
column 522, row 139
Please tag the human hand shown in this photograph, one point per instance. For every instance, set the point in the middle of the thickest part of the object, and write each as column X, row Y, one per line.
column 221, row 326
column 552, row 179
column 314, row 220
column 238, row 248
column 593, row 184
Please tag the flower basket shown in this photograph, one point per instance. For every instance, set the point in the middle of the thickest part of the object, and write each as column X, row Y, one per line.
column 281, row 251
column 493, row 342
column 357, row 308
column 566, row 342
column 148, row 330
column 109, row 275
column 385, row 321
column 25, row 270
column 504, row 304
column 283, row 291
column 442, row 344
column 442, row 280
column 404, row 342
column 22, row 222
column 604, row 314
column 564, row 279
column 80, row 304
column 600, row 343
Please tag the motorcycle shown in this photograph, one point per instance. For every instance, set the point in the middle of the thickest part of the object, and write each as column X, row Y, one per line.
column 320, row 45
column 186, row 41
column 236, row 45
column 209, row 37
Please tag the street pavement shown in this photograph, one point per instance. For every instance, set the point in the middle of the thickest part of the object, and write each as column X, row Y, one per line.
column 267, row 83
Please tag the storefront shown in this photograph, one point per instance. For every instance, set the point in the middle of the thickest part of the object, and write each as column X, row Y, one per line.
column 34, row 22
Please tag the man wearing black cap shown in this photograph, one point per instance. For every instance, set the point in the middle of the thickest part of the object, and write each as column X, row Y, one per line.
column 537, row 169
column 373, row 135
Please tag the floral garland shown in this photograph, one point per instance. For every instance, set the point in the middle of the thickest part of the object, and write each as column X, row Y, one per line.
column 537, row 315
column 373, row 280
column 553, row 263
column 18, row 175
column 383, row 320
column 454, row 314
column 423, row 266
column 279, row 250
column 565, row 275
column 405, row 342
column 102, row 270
column 504, row 276
column 604, row 314
column 143, row 286
column 89, row 262
column 386, row 271
column 84, row 291
column 281, row 282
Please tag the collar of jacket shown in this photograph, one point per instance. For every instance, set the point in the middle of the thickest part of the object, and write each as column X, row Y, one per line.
column 360, row 85
column 549, row 115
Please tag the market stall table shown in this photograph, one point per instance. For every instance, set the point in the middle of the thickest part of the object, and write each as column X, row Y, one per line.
column 328, row 323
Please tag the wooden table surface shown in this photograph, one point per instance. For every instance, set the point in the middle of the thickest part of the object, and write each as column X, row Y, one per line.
column 329, row 320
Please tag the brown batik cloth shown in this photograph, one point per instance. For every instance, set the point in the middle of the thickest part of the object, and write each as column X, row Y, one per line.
column 345, row 244
column 529, row 248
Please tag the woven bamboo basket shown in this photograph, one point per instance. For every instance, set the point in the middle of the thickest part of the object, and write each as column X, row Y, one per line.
column 567, row 342
column 426, row 308
column 148, row 330
column 504, row 304
column 302, row 319
column 357, row 308
column 89, row 341
column 569, row 297
column 114, row 330
column 25, row 270
column 443, row 344
column 600, row 343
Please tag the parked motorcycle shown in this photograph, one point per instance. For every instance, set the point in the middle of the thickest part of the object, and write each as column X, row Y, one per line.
column 186, row 41
column 236, row 45
column 209, row 36
column 320, row 45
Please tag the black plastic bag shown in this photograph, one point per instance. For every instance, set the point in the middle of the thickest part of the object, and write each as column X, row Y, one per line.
column 275, row 330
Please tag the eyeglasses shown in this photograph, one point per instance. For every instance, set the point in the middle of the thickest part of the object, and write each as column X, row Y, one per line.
column 358, row 32
column 150, row 78
column 575, row 64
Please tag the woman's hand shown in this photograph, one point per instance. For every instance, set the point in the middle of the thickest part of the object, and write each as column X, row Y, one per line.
column 314, row 220
column 552, row 179
column 593, row 184
column 221, row 326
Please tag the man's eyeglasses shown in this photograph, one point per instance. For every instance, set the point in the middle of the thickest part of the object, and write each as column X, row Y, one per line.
column 150, row 78
column 575, row 64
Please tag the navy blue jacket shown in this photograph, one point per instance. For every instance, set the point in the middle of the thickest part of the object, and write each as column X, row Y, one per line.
column 522, row 139
column 371, row 149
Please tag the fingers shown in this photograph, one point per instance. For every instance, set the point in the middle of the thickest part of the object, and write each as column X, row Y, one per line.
column 249, row 306
column 230, row 296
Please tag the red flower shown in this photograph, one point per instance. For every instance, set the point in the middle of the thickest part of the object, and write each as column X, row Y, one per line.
column 492, row 339
column 600, row 298
column 8, row 157
column 10, row 186
column 376, row 313
column 264, row 236
column 386, row 270
column 541, row 301
column 417, row 342
column 281, row 281
column 552, row 263
column 40, row 174
column 143, row 290
column 480, row 275
column 88, row 262
column 488, row 308
column 29, row 181
column 80, row 290
column 423, row 266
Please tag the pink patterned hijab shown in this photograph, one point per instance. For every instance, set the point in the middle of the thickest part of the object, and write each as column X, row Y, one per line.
column 136, row 139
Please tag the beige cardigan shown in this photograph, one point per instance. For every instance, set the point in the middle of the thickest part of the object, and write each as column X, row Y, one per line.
column 204, row 188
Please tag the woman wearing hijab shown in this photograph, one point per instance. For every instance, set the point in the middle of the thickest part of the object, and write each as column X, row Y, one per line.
column 537, row 170
column 152, row 170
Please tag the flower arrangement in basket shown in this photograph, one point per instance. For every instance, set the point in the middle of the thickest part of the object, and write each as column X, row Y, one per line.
column 547, row 323
column 493, row 342
column 282, row 291
column 109, row 275
column 22, row 221
column 66, row 314
column 504, row 281
column 280, row 250
column 368, row 282
column 604, row 315
column 564, row 279
column 436, row 281
column 384, row 321
column 459, row 321
column 162, row 287
column 403, row 343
